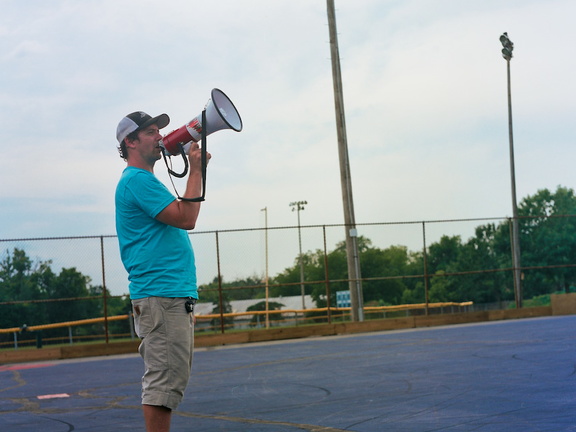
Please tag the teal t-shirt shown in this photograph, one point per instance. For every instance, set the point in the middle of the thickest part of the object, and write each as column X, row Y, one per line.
column 159, row 258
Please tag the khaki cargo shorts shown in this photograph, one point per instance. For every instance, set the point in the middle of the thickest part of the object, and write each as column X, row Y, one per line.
column 166, row 331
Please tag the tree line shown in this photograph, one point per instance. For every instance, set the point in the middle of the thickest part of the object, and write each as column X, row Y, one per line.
column 475, row 269
column 31, row 293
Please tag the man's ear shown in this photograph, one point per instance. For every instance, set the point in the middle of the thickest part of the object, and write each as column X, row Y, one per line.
column 130, row 142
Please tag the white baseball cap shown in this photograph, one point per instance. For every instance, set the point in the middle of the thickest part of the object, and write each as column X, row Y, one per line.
column 139, row 120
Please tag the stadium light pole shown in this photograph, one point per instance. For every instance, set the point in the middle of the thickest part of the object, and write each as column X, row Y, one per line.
column 352, row 254
column 508, row 47
column 297, row 206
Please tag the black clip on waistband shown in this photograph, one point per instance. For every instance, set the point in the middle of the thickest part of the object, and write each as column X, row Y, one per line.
column 190, row 302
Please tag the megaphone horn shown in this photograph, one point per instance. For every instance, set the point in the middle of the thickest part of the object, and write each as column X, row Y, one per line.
column 220, row 114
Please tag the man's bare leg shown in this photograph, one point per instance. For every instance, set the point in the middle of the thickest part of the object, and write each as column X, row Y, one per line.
column 157, row 418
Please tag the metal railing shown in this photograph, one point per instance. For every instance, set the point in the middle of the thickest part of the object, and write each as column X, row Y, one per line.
column 286, row 317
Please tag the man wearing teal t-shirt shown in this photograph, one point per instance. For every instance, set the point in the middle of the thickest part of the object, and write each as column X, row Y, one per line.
column 158, row 256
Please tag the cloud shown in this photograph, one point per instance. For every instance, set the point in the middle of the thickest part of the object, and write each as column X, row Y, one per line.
column 424, row 92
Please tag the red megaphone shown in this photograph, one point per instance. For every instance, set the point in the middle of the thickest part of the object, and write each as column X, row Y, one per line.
column 220, row 114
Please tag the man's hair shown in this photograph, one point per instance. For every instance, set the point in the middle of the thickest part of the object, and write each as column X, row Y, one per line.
column 122, row 149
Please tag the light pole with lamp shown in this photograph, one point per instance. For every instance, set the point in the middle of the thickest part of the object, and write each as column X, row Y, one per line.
column 297, row 206
column 508, row 47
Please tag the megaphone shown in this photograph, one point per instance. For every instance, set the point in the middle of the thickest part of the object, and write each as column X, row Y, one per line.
column 220, row 113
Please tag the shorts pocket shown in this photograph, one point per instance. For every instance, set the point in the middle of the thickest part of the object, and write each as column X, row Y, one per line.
column 144, row 320
column 150, row 326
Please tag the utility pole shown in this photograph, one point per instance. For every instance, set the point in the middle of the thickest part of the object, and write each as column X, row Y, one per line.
column 508, row 47
column 353, row 258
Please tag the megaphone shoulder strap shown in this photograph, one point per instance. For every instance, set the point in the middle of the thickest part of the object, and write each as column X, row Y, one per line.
column 204, row 161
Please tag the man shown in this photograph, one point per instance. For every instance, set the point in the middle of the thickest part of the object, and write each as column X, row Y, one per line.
column 158, row 256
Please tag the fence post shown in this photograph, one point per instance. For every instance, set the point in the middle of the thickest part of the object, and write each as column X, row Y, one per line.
column 15, row 340
column 104, row 298
column 425, row 257
column 327, row 279
column 70, row 335
column 220, row 297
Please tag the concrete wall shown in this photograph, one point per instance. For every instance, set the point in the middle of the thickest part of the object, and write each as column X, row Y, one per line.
column 563, row 304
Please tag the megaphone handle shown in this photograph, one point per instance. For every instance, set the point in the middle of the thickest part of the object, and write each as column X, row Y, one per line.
column 203, row 160
column 203, row 153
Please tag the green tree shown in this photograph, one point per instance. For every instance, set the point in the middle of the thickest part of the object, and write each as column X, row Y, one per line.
column 33, row 294
column 115, row 305
column 443, row 254
column 383, row 270
column 20, row 280
column 477, row 269
column 390, row 263
column 258, row 319
column 71, row 286
column 239, row 289
column 287, row 283
column 548, row 237
column 478, row 255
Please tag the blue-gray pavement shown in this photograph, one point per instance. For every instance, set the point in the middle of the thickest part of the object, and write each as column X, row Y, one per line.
column 500, row 376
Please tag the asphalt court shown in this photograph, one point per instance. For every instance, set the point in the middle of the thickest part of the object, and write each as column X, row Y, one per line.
column 500, row 376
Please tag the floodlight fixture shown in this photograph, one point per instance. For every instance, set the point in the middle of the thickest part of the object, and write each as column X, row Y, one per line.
column 508, row 46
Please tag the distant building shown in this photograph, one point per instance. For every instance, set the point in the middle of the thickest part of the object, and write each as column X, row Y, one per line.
column 292, row 303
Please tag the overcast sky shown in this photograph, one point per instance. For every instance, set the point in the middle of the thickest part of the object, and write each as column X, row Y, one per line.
column 424, row 92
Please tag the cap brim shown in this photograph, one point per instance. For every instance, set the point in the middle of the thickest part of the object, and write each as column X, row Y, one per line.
column 161, row 121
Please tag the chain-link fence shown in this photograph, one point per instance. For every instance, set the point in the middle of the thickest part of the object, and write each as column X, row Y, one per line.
column 262, row 266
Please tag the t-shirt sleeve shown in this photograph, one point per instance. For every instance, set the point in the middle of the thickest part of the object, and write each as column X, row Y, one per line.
column 150, row 194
